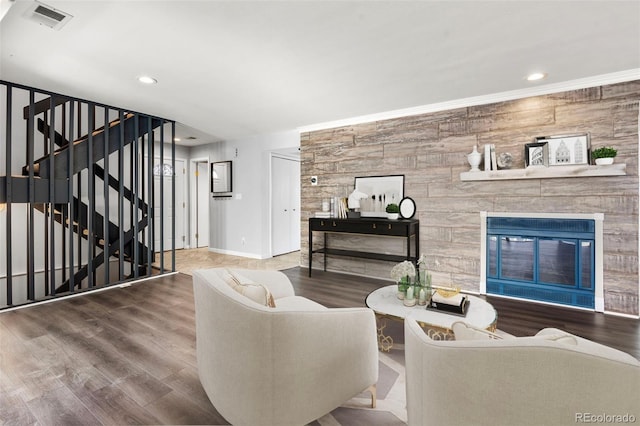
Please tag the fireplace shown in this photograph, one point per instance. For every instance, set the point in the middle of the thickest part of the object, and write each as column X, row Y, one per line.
column 549, row 258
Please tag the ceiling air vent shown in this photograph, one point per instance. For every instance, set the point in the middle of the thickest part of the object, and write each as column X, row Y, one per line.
column 47, row 15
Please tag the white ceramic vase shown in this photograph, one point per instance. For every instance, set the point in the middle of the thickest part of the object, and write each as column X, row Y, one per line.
column 474, row 159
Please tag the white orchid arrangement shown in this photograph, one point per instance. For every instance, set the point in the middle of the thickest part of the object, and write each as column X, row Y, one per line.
column 403, row 270
column 425, row 276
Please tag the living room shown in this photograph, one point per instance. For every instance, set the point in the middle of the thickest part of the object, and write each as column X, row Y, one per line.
column 344, row 130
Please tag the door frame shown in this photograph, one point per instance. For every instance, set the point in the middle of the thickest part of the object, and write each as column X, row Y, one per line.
column 193, row 211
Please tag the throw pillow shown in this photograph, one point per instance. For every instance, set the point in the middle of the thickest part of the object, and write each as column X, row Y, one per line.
column 566, row 339
column 464, row 331
column 254, row 291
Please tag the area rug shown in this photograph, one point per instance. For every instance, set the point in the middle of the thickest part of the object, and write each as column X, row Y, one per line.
column 391, row 405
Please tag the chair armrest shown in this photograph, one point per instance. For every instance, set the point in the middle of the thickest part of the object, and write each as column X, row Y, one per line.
column 589, row 347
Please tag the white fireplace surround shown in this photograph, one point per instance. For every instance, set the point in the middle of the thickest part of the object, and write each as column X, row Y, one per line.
column 597, row 217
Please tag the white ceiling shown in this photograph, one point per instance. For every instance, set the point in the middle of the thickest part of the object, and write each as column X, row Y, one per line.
column 232, row 69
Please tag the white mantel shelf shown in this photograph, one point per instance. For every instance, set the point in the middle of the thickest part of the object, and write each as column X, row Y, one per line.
column 551, row 172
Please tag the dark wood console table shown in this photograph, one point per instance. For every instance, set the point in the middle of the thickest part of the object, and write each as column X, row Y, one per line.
column 370, row 226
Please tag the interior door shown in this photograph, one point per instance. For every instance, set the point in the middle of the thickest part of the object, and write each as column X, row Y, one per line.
column 202, row 205
column 163, row 206
column 294, row 200
column 285, row 205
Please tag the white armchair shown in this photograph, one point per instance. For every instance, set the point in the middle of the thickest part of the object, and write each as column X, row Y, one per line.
column 287, row 365
column 553, row 378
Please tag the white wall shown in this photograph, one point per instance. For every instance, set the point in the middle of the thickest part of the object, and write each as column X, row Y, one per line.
column 241, row 225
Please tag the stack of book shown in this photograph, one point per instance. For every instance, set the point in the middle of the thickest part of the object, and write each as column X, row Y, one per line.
column 341, row 208
column 490, row 162
column 338, row 209
column 456, row 304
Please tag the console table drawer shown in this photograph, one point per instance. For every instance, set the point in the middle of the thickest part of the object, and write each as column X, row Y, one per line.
column 377, row 227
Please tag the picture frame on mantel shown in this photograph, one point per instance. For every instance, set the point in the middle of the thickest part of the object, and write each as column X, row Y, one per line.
column 381, row 191
column 536, row 154
column 567, row 149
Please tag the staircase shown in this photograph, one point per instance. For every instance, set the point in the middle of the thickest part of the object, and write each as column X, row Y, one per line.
column 89, row 195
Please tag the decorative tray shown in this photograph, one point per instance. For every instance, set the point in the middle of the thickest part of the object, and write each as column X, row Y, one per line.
column 459, row 310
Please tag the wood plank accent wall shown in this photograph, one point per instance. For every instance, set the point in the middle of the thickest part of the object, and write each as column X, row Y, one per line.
column 431, row 149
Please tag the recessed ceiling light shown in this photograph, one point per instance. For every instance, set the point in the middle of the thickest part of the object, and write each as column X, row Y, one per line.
column 536, row 76
column 147, row 80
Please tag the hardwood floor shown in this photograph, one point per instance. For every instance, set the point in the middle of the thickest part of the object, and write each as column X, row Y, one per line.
column 127, row 355
column 516, row 317
column 122, row 356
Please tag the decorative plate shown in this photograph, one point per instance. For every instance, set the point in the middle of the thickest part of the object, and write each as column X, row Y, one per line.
column 407, row 208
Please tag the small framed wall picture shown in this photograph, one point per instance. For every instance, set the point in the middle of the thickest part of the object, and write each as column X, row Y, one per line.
column 567, row 150
column 221, row 177
column 536, row 154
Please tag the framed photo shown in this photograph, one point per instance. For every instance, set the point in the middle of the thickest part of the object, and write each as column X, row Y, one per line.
column 381, row 191
column 567, row 150
column 221, row 177
column 536, row 154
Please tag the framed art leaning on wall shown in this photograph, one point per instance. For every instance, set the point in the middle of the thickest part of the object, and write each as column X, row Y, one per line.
column 567, row 150
column 380, row 191
column 536, row 154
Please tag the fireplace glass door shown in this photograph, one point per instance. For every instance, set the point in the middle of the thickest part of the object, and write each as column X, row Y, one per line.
column 541, row 259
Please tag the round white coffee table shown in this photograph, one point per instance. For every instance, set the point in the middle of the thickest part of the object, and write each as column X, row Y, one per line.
column 437, row 324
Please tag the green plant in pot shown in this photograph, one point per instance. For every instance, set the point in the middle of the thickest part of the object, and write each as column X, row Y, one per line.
column 393, row 211
column 604, row 155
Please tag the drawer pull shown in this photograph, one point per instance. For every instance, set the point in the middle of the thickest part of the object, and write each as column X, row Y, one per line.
column 322, row 223
column 374, row 226
column 334, row 223
column 389, row 226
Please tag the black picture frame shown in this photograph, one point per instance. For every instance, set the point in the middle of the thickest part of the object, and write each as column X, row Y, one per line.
column 536, row 154
column 221, row 177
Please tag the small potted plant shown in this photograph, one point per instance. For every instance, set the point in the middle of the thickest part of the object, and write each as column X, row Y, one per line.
column 393, row 211
column 604, row 155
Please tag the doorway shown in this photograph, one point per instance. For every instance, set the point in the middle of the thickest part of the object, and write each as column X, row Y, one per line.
column 285, row 204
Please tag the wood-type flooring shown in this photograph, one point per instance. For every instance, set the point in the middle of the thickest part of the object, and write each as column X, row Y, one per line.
column 127, row 355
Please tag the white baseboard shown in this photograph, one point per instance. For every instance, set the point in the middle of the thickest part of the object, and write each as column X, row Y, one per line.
column 237, row 253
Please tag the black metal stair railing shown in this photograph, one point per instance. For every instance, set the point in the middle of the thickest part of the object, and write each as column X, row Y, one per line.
column 86, row 189
column 81, row 225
